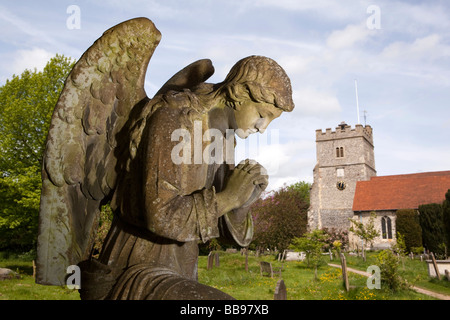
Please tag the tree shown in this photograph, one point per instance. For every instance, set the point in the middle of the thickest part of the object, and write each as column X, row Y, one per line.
column 311, row 244
column 431, row 221
column 408, row 225
column 28, row 102
column 446, row 217
column 335, row 238
column 367, row 232
column 400, row 248
column 19, row 203
column 390, row 276
column 280, row 216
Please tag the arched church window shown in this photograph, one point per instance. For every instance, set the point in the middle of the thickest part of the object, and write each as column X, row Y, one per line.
column 386, row 228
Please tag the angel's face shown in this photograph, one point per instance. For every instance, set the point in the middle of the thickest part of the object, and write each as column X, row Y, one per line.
column 252, row 117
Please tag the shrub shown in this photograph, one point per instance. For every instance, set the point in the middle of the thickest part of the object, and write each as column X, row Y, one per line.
column 431, row 221
column 446, row 217
column 280, row 216
column 333, row 236
column 408, row 225
column 312, row 244
column 389, row 264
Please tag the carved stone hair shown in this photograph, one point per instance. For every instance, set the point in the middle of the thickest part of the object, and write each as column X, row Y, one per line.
column 260, row 79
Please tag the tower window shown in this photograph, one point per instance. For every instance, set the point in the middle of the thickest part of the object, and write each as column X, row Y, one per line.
column 340, row 152
column 386, row 228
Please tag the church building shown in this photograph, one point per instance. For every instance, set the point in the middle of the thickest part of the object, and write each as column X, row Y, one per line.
column 346, row 185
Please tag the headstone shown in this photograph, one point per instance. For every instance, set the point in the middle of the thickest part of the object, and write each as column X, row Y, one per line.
column 266, row 268
column 436, row 269
column 447, row 274
column 280, row 291
column 344, row 272
column 246, row 259
column 210, row 261
column 6, row 274
column 294, row 256
column 34, row 269
column 216, row 259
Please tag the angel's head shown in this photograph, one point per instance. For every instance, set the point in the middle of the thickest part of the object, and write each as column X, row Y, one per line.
column 258, row 90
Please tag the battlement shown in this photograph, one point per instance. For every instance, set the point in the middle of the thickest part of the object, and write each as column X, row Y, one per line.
column 345, row 131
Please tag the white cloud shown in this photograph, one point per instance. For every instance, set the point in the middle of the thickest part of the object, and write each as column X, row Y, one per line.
column 30, row 59
column 415, row 18
column 400, row 155
column 317, row 103
column 286, row 162
column 425, row 58
column 326, row 9
column 426, row 48
column 348, row 37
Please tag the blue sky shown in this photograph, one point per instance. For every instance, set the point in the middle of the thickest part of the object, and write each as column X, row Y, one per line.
column 398, row 51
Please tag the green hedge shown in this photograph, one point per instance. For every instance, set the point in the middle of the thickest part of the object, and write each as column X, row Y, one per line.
column 446, row 217
column 431, row 221
column 408, row 225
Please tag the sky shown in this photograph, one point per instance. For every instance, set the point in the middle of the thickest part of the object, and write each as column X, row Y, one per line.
column 398, row 52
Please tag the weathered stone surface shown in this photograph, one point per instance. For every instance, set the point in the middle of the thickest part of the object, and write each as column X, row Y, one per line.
column 157, row 161
column 6, row 274
column 280, row 291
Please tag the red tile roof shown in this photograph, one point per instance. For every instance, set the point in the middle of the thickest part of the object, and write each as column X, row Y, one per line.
column 406, row 191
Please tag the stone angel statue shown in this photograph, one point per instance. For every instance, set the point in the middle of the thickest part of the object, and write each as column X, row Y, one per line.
column 110, row 143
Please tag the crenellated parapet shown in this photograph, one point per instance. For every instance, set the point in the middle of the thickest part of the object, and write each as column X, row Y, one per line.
column 345, row 131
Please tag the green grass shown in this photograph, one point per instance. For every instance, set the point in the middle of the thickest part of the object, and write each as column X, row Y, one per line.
column 414, row 271
column 25, row 288
column 232, row 278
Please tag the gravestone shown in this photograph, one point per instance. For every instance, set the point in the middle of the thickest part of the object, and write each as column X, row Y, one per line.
column 216, row 259
column 246, row 259
column 344, row 272
column 447, row 274
column 294, row 256
column 34, row 269
column 267, row 269
column 210, row 261
column 7, row 274
column 282, row 256
column 436, row 269
column 280, row 291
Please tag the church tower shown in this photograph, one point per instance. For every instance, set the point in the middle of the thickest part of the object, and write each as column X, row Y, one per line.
column 344, row 156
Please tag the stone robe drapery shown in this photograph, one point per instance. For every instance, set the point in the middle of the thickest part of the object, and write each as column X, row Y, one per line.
column 164, row 209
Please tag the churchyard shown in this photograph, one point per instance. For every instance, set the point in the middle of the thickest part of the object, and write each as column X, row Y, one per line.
column 301, row 284
column 230, row 273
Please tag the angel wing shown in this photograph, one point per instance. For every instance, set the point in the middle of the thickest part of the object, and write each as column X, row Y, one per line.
column 190, row 76
column 79, row 170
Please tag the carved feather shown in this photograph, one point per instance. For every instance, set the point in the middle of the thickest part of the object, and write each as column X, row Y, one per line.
column 80, row 159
